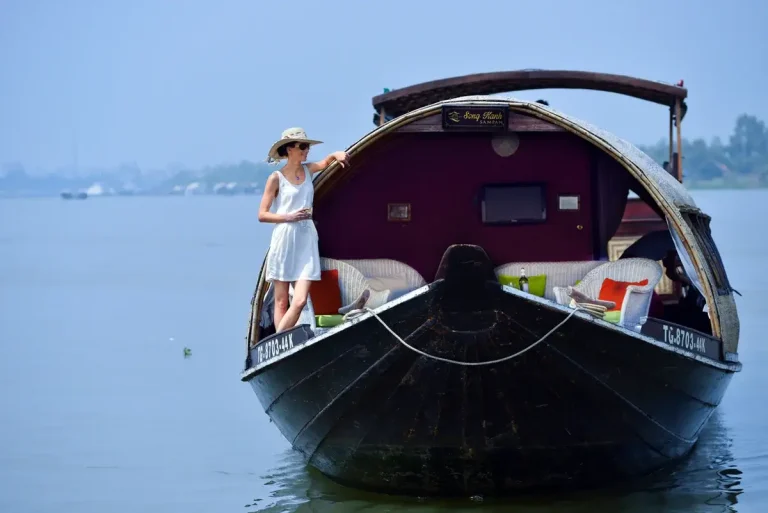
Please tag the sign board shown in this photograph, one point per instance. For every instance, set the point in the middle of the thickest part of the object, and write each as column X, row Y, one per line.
column 683, row 338
column 483, row 119
column 279, row 343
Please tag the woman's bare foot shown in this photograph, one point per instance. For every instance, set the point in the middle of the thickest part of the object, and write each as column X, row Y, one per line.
column 356, row 304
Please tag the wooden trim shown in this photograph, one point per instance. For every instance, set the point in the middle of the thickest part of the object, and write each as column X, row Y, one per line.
column 516, row 123
column 406, row 99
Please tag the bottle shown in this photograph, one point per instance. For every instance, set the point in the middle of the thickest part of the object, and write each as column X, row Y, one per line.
column 523, row 280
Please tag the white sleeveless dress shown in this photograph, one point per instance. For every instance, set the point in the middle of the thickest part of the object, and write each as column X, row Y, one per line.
column 293, row 252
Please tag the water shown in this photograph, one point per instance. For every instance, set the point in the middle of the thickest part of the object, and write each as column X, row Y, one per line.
column 101, row 411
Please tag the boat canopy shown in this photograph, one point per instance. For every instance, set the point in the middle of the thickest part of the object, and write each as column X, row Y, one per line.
column 398, row 102
column 660, row 190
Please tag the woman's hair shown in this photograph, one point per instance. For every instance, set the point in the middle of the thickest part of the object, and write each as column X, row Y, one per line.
column 282, row 151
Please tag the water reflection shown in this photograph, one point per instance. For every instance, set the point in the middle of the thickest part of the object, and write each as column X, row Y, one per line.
column 708, row 481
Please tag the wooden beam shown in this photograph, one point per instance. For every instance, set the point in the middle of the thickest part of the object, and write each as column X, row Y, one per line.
column 517, row 123
column 679, row 141
column 403, row 100
column 670, row 164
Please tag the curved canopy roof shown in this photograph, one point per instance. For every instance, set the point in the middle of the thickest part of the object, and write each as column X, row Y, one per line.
column 654, row 178
column 398, row 102
column 669, row 194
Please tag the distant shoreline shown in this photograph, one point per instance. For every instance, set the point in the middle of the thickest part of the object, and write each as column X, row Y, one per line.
column 696, row 186
column 722, row 185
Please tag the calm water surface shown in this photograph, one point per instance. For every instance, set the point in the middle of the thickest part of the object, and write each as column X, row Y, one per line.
column 101, row 411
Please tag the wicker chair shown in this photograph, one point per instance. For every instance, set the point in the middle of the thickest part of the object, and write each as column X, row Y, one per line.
column 637, row 300
column 352, row 283
column 389, row 275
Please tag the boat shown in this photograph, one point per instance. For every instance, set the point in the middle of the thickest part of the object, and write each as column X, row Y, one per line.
column 423, row 364
column 67, row 195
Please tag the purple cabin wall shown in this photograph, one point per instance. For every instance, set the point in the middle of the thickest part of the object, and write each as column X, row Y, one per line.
column 441, row 175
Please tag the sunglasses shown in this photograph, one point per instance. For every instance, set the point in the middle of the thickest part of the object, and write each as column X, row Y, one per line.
column 302, row 146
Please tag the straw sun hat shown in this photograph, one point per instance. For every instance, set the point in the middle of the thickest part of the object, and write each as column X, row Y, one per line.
column 295, row 134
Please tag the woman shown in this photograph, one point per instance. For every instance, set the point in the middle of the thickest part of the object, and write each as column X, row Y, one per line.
column 293, row 253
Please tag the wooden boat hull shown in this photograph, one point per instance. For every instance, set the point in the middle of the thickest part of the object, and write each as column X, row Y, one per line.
column 591, row 404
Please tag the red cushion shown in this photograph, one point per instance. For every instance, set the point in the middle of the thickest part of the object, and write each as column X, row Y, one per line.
column 615, row 291
column 326, row 294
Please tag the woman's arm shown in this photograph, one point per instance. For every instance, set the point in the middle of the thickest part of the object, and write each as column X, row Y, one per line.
column 270, row 192
column 318, row 166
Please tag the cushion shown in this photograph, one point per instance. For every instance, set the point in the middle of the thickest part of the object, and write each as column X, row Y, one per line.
column 612, row 316
column 537, row 284
column 326, row 294
column 388, row 283
column 328, row 321
column 613, row 290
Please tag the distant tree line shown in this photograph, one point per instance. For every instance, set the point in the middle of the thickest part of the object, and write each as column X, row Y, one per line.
column 741, row 162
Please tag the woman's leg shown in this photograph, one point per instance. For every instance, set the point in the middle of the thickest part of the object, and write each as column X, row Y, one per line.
column 300, row 294
column 281, row 301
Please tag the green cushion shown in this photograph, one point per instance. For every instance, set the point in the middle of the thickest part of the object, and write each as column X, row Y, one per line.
column 328, row 321
column 612, row 316
column 536, row 284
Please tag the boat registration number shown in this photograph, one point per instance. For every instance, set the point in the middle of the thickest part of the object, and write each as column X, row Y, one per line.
column 683, row 338
column 272, row 348
column 678, row 336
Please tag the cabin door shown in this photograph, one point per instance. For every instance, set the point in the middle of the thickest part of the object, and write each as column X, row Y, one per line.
column 529, row 221
column 572, row 224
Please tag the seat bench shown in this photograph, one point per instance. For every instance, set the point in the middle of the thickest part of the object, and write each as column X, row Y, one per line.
column 386, row 279
column 590, row 276
column 558, row 274
column 393, row 276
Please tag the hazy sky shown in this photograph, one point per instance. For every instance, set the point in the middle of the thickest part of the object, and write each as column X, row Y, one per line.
column 204, row 82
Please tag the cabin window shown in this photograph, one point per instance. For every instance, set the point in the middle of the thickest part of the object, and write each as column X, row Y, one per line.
column 513, row 203
column 699, row 225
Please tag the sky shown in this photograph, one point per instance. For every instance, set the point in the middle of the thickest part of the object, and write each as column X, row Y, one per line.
column 198, row 82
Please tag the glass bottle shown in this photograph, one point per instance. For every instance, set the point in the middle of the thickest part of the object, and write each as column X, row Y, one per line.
column 523, row 280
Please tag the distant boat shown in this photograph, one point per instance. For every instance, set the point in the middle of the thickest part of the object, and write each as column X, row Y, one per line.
column 81, row 195
column 252, row 188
